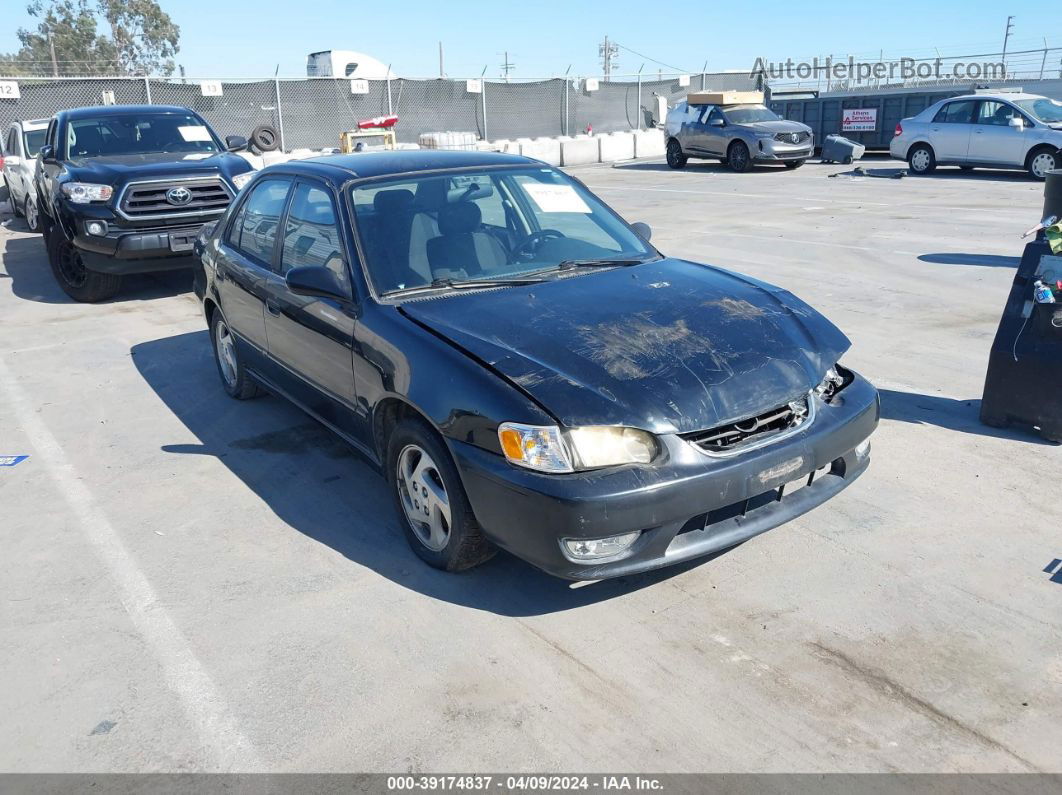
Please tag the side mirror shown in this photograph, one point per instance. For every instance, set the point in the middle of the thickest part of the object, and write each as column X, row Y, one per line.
column 716, row 122
column 1016, row 122
column 643, row 230
column 316, row 281
column 48, row 153
column 235, row 142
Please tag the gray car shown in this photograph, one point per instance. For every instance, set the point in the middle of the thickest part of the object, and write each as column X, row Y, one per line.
column 740, row 136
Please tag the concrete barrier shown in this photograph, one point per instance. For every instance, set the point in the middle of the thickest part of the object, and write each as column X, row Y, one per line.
column 649, row 143
column 616, row 146
column 547, row 150
column 578, row 151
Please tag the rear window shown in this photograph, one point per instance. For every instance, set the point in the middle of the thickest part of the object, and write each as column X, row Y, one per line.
column 956, row 113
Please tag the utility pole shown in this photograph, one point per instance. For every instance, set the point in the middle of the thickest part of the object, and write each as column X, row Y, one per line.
column 1043, row 64
column 1006, row 38
column 507, row 67
column 607, row 52
column 441, row 73
column 51, row 48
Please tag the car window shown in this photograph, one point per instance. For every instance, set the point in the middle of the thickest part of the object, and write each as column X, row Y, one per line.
column 955, row 113
column 996, row 113
column 9, row 146
column 1049, row 111
column 311, row 233
column 33, row 140
column 123, row 134
column 750, row 114
column 715, row 113
column 254, row 229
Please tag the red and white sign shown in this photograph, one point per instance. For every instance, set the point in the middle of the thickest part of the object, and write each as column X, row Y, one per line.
column 859, row 119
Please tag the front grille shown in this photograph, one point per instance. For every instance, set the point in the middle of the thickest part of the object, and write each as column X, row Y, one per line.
column 752, row 431
column 787, row 138
column 146, row 199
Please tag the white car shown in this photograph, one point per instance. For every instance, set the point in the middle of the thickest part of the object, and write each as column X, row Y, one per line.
column 23, row 141
column 983, row 130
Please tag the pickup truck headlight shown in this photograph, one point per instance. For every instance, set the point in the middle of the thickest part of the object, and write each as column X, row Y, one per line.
column 549, row 449
column 242, row 179
column 85, row 192
column 836, row 379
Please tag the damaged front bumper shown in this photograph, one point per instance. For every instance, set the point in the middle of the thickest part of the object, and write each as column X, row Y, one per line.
column 689, row 506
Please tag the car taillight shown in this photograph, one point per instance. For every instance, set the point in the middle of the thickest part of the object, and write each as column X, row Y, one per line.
column 899, row 129
column 1, row 161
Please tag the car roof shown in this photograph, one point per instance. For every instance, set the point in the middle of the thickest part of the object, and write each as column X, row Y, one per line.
column 92, row 111
column 31, row 124
column 398, row 162
column 1003, row 96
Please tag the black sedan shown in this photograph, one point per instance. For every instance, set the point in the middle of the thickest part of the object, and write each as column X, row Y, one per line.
column 527, row 370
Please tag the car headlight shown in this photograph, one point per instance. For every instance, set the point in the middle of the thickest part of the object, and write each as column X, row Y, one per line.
column 549, row 449
column 834, row 381
column 85, row 192
column 242, row 179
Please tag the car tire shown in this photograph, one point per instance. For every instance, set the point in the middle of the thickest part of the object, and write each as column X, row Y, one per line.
column 235, row 379
column 791, row 164
column 424, row 481
column 922, row 160
column 738, row 157
column 675, row 158
column 1042, row 160
column 31, row 214
column 264, row 138
column 74, row 278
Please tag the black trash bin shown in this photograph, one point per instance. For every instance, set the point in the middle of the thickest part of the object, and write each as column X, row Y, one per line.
column 1024, row 381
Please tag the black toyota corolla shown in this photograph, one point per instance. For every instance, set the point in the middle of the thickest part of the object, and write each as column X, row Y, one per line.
column 526, row 369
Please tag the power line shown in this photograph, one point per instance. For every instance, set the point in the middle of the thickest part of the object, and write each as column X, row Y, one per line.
column 646, row 57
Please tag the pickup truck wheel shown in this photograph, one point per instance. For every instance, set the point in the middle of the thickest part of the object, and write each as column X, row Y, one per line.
column 69, row 270
column 675, row 158
column 237, row 382
column 436, row 518
column 922, row 160
column 1041, row 161
column 33, row 218
column 738, row 158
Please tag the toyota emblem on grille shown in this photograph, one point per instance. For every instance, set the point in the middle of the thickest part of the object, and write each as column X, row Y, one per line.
column 178, row 196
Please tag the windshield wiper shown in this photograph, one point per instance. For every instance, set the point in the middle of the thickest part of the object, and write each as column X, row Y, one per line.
column 462, row 284
column 569, row 264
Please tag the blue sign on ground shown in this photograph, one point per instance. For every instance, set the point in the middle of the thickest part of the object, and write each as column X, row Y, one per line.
column 11, row 460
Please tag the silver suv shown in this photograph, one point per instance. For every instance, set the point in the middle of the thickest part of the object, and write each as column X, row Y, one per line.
column 737, row 135
column 985, row 130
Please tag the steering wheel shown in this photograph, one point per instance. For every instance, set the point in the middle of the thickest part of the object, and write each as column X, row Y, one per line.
column 527, row 248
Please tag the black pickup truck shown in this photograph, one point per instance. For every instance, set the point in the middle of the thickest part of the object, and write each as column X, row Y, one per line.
column 125, row 189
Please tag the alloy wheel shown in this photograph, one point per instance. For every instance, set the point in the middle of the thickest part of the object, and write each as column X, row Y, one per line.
column 226, row 351
column 424, row 497
column 29, row 209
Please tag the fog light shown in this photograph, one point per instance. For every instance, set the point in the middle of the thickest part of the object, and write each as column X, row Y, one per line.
column 863, row 448
column 593, row 548
column 96, row 228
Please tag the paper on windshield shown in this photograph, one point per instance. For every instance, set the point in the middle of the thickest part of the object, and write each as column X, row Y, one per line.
column 196, row 132
column 556, row 198
column 198, row 156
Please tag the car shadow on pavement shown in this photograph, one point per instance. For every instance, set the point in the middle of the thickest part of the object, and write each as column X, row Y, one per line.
column 949, row 413
column 319, row 486
column 25, row 262
column 982, row 260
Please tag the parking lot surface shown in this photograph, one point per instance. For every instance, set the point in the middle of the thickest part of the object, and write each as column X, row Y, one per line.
column 194, row 583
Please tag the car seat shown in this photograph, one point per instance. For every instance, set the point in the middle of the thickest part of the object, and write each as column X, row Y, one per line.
column 463, row 245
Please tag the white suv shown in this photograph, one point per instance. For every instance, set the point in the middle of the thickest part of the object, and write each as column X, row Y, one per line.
column 23, row 141
column 983, row 130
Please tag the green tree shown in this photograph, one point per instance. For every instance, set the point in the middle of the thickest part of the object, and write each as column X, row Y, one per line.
column 143, row 39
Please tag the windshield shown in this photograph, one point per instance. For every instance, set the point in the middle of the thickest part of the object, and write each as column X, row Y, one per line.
column 746, row 114
column 1046, row 110
column 32, row 141
column 484, row 224
column 140, row 134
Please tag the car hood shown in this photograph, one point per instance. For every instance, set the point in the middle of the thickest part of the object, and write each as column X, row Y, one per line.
column 668, row 346
column 117, row 168
column 780, row 126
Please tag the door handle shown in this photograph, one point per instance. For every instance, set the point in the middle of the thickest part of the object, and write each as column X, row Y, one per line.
column 273, row 308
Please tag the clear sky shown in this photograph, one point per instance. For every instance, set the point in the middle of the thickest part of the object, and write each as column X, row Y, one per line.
column 250, row 39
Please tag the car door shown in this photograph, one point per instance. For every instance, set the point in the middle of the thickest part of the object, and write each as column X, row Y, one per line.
column 12, row 166
column 716, row 136
column 312, row 338
column 47, row 170
column 245, row 260
column 993, row 139
column 950, row 130
column 694, row 129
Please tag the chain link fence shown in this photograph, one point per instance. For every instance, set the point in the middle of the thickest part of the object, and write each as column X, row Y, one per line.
column 311, row 113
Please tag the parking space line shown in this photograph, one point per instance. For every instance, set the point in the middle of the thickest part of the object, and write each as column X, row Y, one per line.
column 217, row 729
